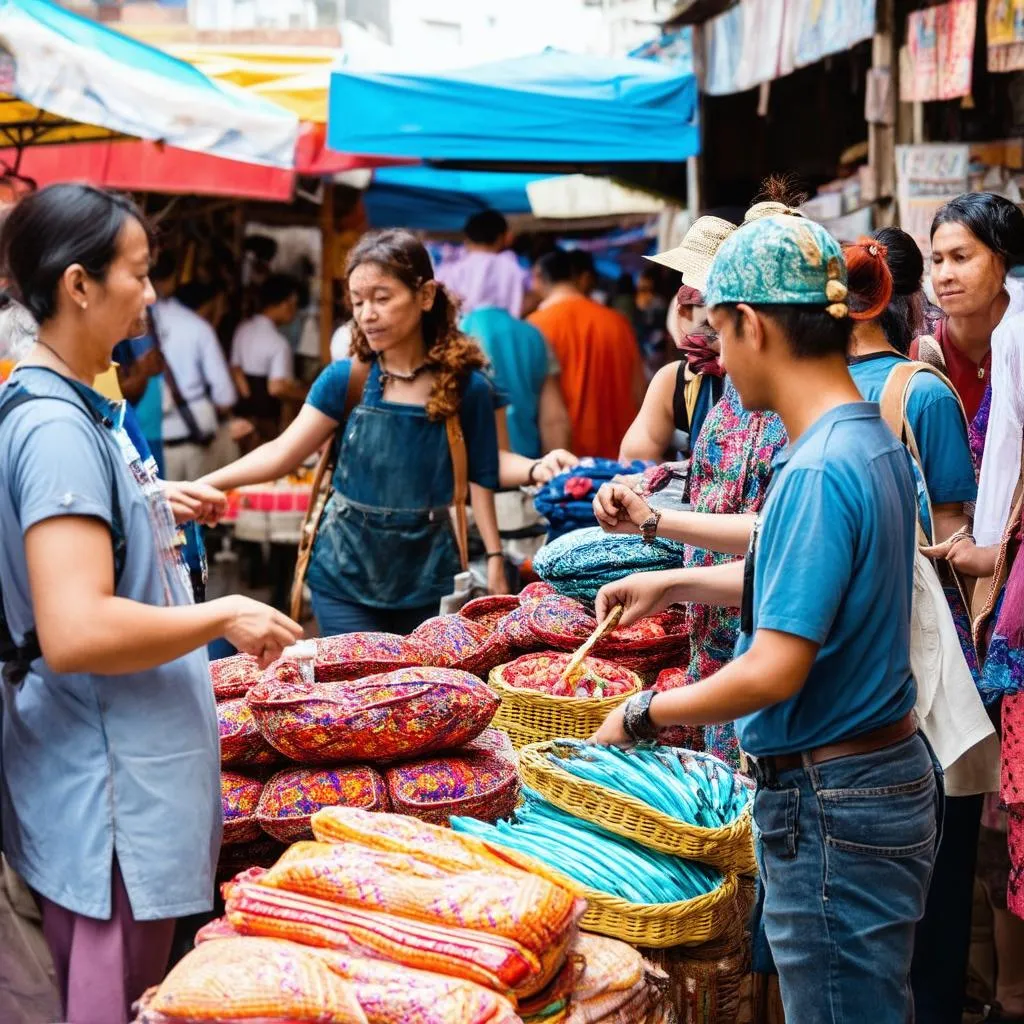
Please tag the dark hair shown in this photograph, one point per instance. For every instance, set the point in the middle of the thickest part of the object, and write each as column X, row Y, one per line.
column 54, row 228
column 486, row 227
column 263, row 247
column 996, row 222
column 555, row 267
column 276, row 289
column 581, row 262
column 902, row 318
column 196, row 294
column 812, row 333
column 449, row 353
column 165, row 267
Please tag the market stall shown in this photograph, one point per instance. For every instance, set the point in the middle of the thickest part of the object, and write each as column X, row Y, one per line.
column 579, row 883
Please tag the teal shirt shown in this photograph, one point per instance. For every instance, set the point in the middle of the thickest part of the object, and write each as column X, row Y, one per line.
column 834, row 564
column 521, row 361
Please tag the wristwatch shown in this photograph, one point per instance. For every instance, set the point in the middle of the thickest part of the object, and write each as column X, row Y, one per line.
column 649, row 527
column 636, row 719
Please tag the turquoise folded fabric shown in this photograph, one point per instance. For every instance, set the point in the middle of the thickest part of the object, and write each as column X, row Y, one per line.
column 580, row 563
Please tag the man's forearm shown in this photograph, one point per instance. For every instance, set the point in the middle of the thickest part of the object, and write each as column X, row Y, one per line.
column 717, row 585
column 727, row 533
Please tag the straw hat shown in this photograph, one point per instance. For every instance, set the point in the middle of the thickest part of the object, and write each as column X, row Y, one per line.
column 693, row 257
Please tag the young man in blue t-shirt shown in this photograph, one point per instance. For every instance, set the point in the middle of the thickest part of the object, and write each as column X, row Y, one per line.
column 847, row 803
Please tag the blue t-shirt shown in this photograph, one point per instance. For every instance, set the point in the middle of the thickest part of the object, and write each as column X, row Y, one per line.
column 934, row 415
column 149, row 408
column 476, row 412
column 521, row 361
column 834, row 564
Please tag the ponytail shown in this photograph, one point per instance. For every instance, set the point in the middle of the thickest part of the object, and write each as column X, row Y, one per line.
column 869, row 278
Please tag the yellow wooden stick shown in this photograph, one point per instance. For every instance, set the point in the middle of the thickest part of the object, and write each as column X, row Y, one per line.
column 603, row 629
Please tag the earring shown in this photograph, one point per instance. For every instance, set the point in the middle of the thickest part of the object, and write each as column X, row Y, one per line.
column 85, row 305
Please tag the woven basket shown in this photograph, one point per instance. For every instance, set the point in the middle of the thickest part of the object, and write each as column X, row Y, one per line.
column 729, row 848
column 531, row 716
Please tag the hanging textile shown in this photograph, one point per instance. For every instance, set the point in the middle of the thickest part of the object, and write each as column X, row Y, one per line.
column 1004, row 33
column 940, row 44
column 817, row 28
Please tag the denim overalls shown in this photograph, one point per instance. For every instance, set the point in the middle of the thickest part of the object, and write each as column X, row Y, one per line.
column 386, row 540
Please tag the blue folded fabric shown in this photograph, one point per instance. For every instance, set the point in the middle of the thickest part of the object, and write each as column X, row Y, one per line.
column 572, row 508
column 580, row 563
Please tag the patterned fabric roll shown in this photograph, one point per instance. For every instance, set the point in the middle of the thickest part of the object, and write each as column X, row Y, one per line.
column 240, row 796
column 241, row 742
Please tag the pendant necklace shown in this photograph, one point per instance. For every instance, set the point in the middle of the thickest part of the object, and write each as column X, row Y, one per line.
column 387, row 375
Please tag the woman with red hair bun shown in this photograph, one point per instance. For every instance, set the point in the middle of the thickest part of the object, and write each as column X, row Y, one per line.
column 884, row 282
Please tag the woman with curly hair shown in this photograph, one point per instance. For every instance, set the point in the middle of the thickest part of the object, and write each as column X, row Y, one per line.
column 386, row 553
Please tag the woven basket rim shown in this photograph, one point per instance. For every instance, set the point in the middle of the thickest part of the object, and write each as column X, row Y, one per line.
column 495, row 681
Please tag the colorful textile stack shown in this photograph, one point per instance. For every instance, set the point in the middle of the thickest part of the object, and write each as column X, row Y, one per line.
column 235, row 676
column 233, row 978
column 354, row 655
column 387, row 720
column 618, row 986
column 543, row 672
column 409, row 712
column 460, row 642
column 566, row 502
column 650, row 644
column 580, row 563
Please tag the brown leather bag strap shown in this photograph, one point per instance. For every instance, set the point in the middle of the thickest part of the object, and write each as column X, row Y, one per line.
column 321, row 491
column 460, row 472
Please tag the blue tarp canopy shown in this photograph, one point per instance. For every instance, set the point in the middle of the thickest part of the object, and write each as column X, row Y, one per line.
column 548, row 109
column 433, row 199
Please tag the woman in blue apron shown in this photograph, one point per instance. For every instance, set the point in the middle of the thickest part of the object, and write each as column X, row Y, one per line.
column 110, row 790
column 385, row 552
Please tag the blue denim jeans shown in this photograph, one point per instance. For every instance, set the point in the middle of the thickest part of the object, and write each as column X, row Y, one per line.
column 845, row 850
column 335, row 616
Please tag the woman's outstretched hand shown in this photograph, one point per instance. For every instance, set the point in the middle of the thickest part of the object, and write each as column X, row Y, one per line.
column 257, row 629
column 201, row 502
column 642, row 594
column 619, row 509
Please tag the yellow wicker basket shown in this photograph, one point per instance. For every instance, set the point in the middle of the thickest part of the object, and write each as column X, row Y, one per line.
column 531, row 716
column 729, row 848
column 686, row 923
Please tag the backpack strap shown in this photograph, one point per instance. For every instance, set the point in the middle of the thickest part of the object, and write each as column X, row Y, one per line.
column 359, row 373
column 17, row 658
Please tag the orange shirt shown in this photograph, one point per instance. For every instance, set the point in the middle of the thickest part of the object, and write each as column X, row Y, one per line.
column 600, row 359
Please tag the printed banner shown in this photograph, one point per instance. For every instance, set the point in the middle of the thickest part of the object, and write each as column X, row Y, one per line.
column 760, row 40
column 926, row 177
column 940, row 42
column 1004, row 27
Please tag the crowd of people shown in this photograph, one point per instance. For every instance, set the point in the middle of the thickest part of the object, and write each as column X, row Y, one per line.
column 841, row 431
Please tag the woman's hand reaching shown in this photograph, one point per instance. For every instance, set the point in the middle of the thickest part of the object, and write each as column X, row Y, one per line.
column 257, row 629
column 201, row 502
column 620, row 509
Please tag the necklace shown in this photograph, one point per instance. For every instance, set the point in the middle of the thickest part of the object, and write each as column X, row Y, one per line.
column 406, row 378
column 56, row 354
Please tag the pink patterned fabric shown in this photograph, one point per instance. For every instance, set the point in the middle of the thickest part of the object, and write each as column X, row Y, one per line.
column 354, row 655
column 515, row 628
column 490, row 741
column 241, row 742
column 380, row 718
column 292, row 797
column 454, row 641
column 489, row 610
column 240, row 796
column 543, row 672
column 483, row 786
column 232, row 677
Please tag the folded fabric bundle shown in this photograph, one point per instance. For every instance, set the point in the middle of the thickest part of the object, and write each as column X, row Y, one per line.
column 391, row 993
column 565, row 623
column 290, row 798
column 250, row 979
column 490, row 609
column 241, row 742
column 609, row 966
column 379, row 718
column 580, row 563
column 483, row 786
column 235, row 676
column 566, row 502
column 534, row 913
column 354, row 655
column 490, row 741
column 454, row 641
column 490, row 960
column 240, row 796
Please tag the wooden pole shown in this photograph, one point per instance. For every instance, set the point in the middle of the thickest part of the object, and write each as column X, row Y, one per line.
column 882, row 137
column 326, row 272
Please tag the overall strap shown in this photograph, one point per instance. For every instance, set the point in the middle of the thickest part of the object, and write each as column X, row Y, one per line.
column 17, row 659
column 358, row 374
column 460, row 472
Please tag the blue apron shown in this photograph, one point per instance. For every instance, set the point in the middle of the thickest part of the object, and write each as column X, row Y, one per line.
column 386, row 538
